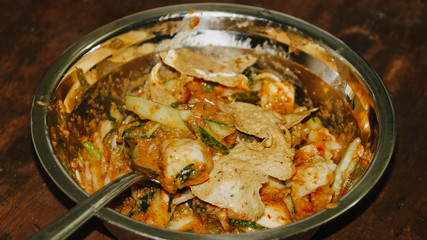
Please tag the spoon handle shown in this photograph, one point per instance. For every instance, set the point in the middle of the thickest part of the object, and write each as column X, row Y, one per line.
column 63, row 226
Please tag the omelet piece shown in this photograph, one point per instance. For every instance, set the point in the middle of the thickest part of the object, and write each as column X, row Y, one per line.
column 252, row 119
column 236, row 178
column 226, row 71
column 274, row 155
column 234, row 184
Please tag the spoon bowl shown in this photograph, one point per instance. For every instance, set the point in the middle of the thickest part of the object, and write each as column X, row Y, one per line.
column 69, row 222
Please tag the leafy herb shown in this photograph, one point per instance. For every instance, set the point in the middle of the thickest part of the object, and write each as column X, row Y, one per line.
column 184, row 175
column 146, row 200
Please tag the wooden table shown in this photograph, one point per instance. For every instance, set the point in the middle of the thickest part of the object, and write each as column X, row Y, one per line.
column 390, row 35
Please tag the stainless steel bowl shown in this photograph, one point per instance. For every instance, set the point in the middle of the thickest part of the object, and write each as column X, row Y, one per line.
column 350, row 90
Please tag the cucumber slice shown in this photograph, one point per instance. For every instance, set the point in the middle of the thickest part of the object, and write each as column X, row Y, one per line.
column 219, row 128
column 157, row 112
column 245, row 224
column 290, row 204
column 210, row 139
column 170, row 84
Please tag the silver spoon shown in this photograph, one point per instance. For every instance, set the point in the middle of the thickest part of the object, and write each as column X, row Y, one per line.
column 65, row 225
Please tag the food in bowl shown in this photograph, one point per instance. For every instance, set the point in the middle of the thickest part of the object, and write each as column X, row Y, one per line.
column 234, row 148
column 110, row 63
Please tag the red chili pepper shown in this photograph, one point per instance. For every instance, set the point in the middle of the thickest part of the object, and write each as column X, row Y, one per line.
column 319, row 148
column 194, row 22
column 342, row 192
column 185, row 96
column 308, row 210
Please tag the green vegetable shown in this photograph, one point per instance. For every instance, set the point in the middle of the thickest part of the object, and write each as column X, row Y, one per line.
column 185, row 174
column 245, row 224
column 122, row 149
column 210, row 139
column 185, row 115
column 170, row 84
column 146, row 200
column 314, row 123
column 93, row 150
column 248, row 73
column 249, row 97
column 213, row 230
column 175, row 104
column 246, row 137
column 152, row 130
column 200, row 209
column 156, row 112
column 170, row 202
column 111, row 119
column 127, row 132
column 208, row 87
column 290, row 204
column 116, row 114
column 135, row 130
column 257, row 85
column 219, row 128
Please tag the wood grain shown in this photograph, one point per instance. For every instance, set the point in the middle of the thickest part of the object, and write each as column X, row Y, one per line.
column 390, row 35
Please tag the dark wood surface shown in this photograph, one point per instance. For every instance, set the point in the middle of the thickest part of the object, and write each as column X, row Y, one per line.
column 390, row 35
